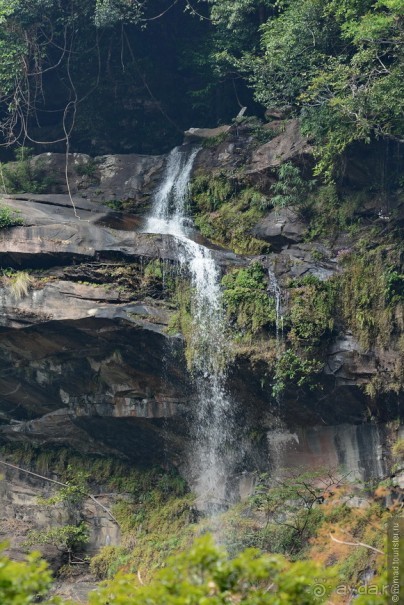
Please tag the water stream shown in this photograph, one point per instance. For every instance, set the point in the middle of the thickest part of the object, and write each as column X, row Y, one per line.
column 275, row 289
column 211, row 460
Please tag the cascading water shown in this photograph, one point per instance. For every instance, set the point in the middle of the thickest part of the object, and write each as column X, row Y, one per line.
column 213, row 457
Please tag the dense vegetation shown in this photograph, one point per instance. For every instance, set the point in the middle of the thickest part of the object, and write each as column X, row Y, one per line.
column 67, row 67
column 291, row 517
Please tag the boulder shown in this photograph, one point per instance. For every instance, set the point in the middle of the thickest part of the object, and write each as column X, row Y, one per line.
column 280, row 227
column 290, row 145
column 200, row 134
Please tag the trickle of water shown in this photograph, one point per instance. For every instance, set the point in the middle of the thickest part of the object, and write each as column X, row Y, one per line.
column 275, row 289
column 213, row 457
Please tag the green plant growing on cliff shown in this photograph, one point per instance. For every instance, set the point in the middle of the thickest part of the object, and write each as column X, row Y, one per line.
column 181, row 319
column 398, row 449
column 87, row 169
column 292, row 369
column 26, row 174
column 371, row 294
column 73, row 492
column 232, row 226
column 209, row 192
column 290, row 189
column 9, row 217
column 19, row 284
column 312, row 310
column 291, row 504
column 248, row 305
column 226, row 214
column 69, row 539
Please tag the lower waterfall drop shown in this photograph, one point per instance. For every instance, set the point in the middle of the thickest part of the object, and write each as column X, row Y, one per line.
column 212, row 460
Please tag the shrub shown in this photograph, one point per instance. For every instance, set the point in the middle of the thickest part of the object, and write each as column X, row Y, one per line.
column 247, row 301
column 205, row 574
column 26, row 174
column 292, row 369
column 290, row 189
column 312, row 310
column 23, row 582
column 9, row 217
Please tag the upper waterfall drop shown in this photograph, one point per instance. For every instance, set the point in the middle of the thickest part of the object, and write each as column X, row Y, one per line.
column 213, row 455
column 169, row 200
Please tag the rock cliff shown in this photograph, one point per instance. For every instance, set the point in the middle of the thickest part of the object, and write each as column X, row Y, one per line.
column 88, row 358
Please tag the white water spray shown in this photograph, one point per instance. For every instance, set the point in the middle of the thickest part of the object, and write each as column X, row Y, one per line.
column 212, row 458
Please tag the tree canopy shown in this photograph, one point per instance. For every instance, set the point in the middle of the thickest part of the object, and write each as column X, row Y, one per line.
column 112, row 75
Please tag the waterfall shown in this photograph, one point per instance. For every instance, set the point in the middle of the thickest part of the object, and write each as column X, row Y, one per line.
column 211, row 460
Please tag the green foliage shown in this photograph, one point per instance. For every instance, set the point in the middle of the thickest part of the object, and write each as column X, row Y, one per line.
column 26, row 174
column 204, row 573
column 9, row 217
column 338, row 65
column 116, row 205
column 293, row 369
column 87, row 169
column 294, row 43
column 312, row 310
column 23, row 582
column 329, row 211
column 246, row 299
column 290, row 189
column 209, row 193
column 226, row 215
column 371, row 294
column 181, row 319
column 153, row 269
column 108, row 561
column 292, row 508
column 74, row 492
column 68, row 538
column 110, row 12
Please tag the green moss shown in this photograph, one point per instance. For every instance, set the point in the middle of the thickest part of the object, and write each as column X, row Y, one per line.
column 181, row 320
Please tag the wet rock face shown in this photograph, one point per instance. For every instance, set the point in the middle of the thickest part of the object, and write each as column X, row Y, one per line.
column 89, row 363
